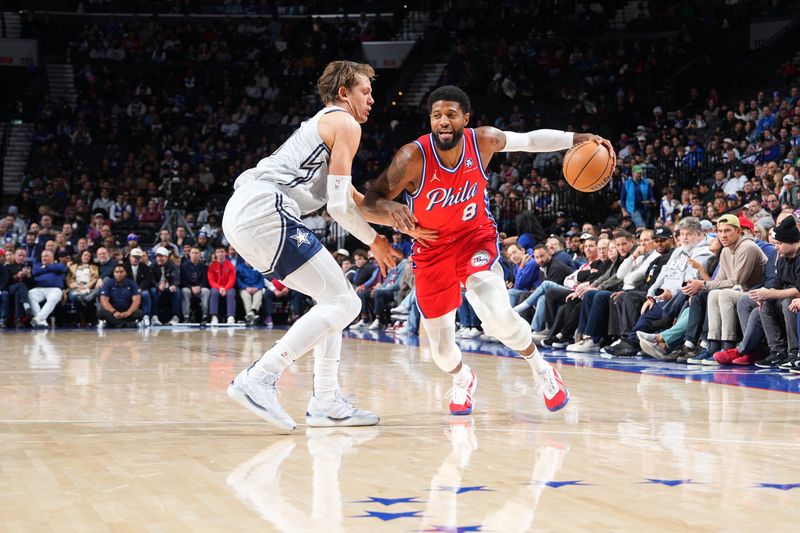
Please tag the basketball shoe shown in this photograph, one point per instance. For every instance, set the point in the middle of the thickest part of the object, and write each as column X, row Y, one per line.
column 260, row 398
column 461, row 397
column 337, row 412
column 552, row 386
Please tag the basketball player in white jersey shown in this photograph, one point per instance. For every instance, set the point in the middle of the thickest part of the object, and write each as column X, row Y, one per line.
column 262, row 221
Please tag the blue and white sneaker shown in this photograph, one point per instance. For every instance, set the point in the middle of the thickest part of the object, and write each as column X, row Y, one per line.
column 337, row 412
column 702, row 358
column 260, row 398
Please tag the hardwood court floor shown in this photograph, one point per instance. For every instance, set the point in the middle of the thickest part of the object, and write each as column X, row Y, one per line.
column 130, row 431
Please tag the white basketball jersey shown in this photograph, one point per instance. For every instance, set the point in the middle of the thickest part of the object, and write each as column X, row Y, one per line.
column 299, row 168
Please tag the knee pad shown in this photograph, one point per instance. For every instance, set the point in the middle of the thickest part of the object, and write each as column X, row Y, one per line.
column 344, row 308
column 487, row 293
column 442, row 337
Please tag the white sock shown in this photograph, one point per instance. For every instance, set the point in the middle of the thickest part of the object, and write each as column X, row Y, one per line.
column 463, row 377
column 688, row 344
column 519, row 308
column 536, row 361
column 326, row 366
column 274, row 361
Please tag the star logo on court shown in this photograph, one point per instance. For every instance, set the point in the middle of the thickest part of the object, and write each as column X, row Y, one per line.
column 559, row 484
column 462, row 490
column 671, row 482
column 389, row 501
column 387, row 517
column 301, row 237
column 779, row 486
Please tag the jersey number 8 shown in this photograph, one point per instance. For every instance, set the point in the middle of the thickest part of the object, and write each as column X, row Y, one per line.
column 469, row 212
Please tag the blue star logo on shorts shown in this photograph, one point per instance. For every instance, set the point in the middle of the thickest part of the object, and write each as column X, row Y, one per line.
column 301, row 237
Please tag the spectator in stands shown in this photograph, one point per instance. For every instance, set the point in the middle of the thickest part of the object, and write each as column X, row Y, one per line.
column 401, row 245
column 274, row 290
column 48, row 284
column 139, row 272
column 204, row 246
column 250, row 284
column 182, row 238
column 779, row 322
column 167, row 280
column 636, row 199
column 526, row 273
column 385, row 294
column 165, row 242
column 194, row 284
column 555, row 245
column 365, row 278
column 120, row 301
column 221, row 280
column 82, row 278
column 20, row 275
column 4, row 277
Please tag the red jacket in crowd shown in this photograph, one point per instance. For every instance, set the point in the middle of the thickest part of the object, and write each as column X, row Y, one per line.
column 221, row 275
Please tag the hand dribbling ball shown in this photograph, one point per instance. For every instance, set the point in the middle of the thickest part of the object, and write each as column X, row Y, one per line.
column 587, row 166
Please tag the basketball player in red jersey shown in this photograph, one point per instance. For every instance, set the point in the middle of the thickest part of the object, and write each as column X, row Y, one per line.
column 443, row 174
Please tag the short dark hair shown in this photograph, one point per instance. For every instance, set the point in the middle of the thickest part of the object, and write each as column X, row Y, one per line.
column 360, row 253
column 541, row 247
column 622, row 233
column 450, row 93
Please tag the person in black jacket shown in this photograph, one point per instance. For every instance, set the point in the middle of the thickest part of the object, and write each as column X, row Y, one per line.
column 167, row 279
column 143, row 276
column 194, row 283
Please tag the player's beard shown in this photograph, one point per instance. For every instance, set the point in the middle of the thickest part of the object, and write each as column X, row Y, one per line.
column 452, row 143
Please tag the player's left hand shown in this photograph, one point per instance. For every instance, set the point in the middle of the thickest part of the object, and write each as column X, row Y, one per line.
column 382, row 252
column 609, row 147
column 423, row 236
column 401, row 216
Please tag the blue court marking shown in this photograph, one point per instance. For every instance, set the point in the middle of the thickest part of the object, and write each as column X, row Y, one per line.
column 386, row 517
column 389, row 501
column 750, row 377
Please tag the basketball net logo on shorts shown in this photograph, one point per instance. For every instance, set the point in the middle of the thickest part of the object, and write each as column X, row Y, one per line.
column 447, row 198
column 480, row 258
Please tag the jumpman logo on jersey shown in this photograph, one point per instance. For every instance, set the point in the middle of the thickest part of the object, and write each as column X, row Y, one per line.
column 301, row 237
column 435, row 177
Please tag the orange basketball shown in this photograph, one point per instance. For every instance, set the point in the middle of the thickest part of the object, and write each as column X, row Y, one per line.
column 587, row 166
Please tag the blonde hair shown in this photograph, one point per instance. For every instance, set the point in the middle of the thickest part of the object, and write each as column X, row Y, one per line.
column 341, row 74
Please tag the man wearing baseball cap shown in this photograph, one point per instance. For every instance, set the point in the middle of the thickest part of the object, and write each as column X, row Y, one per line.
column 167, row 279
column 778, row 316
column 741, row 268
column 142, row 274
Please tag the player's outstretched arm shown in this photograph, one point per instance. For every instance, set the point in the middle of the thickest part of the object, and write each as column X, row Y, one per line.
column 492, row 140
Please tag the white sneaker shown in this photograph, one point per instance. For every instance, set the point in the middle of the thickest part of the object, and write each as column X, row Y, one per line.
column 649, row 337
column 376, row 324
column 487, row 338
column 156, row 321
column 462, row 398
column 146, row 321
column 101, row 324
column 471, row 333
column 231, row 320
column 214, row 320
column 574, row 347
column 174, row 321
column 337, row 412
column 540, row 335
column 586, row 346
column 402, row 330
column 360, row 324
column 260, row 398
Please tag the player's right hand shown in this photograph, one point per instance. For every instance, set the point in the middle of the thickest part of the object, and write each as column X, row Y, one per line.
column 382, row 252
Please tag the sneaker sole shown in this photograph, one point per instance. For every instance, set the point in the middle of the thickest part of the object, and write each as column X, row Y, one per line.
column 237, row 394
column 561, row 405
column 463, row 413
column 322, row 421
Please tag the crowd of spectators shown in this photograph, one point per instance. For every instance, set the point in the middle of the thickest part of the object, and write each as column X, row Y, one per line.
column 197, row 114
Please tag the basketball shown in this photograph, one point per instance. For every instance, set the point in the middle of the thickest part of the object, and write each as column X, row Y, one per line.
column 587, row 166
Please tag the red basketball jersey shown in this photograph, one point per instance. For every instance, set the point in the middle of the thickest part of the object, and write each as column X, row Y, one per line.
column 452, row 201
